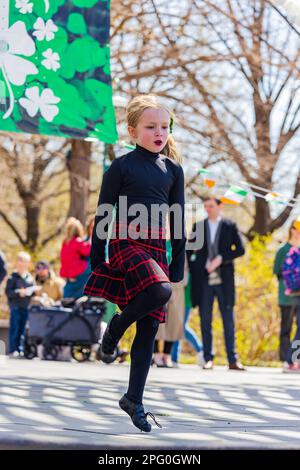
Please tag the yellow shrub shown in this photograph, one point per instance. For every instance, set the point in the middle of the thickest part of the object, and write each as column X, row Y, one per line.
column 257, row 311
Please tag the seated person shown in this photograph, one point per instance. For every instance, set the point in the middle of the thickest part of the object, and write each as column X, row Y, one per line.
column 51, row 285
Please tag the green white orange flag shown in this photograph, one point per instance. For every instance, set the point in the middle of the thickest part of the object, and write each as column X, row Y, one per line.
column 234, row 195
column 276, row 198
column 208, row 178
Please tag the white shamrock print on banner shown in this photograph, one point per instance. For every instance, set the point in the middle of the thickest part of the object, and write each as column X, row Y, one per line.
column 44, row 30
column 45, row 103
column 51, row 61
column 16, row 41
column 24, row 6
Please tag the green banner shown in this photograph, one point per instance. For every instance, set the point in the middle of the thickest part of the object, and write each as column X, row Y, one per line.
column 55, row 68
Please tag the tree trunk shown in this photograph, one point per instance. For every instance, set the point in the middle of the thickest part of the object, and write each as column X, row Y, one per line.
column 79, row 164
column 32, row 209
column 261, row 225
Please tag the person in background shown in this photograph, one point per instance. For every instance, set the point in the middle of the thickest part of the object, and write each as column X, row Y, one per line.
column 294, row 361
column 172, row 329
column 51, row 285
column 289, row 305
column 74, row 259
column 19, row 289
column 189, row 334
column 212, row 276
column 3, row 269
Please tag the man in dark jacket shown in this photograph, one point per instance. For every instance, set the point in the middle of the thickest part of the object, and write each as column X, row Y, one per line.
column 212, row 276
column 19, row 290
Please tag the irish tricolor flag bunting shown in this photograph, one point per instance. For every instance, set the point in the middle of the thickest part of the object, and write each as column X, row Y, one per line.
column 234, row 195
column 275, row 197
column 208, row 177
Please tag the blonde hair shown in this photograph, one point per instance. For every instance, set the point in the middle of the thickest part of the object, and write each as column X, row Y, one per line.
column 135, row 109
column 23, row 256
column 73, row 229
column 292, row 226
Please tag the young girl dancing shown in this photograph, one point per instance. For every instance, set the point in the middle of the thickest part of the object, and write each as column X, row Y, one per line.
column 137, row 277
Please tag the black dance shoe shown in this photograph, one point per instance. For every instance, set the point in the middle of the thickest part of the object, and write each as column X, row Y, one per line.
column 137, row 414
column 108, row 348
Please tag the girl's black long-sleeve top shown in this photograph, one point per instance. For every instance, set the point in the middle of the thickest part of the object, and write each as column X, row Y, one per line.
column 145, row 178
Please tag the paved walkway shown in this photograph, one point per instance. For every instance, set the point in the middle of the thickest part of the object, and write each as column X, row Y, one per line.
column 71, row 405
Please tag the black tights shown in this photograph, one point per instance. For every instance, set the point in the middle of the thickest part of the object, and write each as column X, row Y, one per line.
column 150, row 299
column 141, row 356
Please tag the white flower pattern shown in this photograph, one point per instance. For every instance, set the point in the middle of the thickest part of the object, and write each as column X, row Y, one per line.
column 44, row 30
column 45, row 103
column 24, row 6
column 16, row 41
column 41, row 90
column 51, row 61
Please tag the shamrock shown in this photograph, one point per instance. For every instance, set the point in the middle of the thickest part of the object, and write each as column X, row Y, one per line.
column 24, row 6
column 44, row 30
column 51, row 61
column 45, row 103
column 15, row 41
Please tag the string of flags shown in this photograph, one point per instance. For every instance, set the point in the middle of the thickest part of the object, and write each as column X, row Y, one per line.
column 237, row 193
column 234, row 195
column 208, row 178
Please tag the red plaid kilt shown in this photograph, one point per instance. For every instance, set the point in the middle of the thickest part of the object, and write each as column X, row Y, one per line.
column 133, row 266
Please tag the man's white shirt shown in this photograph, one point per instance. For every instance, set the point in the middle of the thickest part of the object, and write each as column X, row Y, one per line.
column 213, row 228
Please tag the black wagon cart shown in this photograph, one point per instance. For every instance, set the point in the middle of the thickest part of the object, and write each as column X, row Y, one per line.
column 74, row 323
